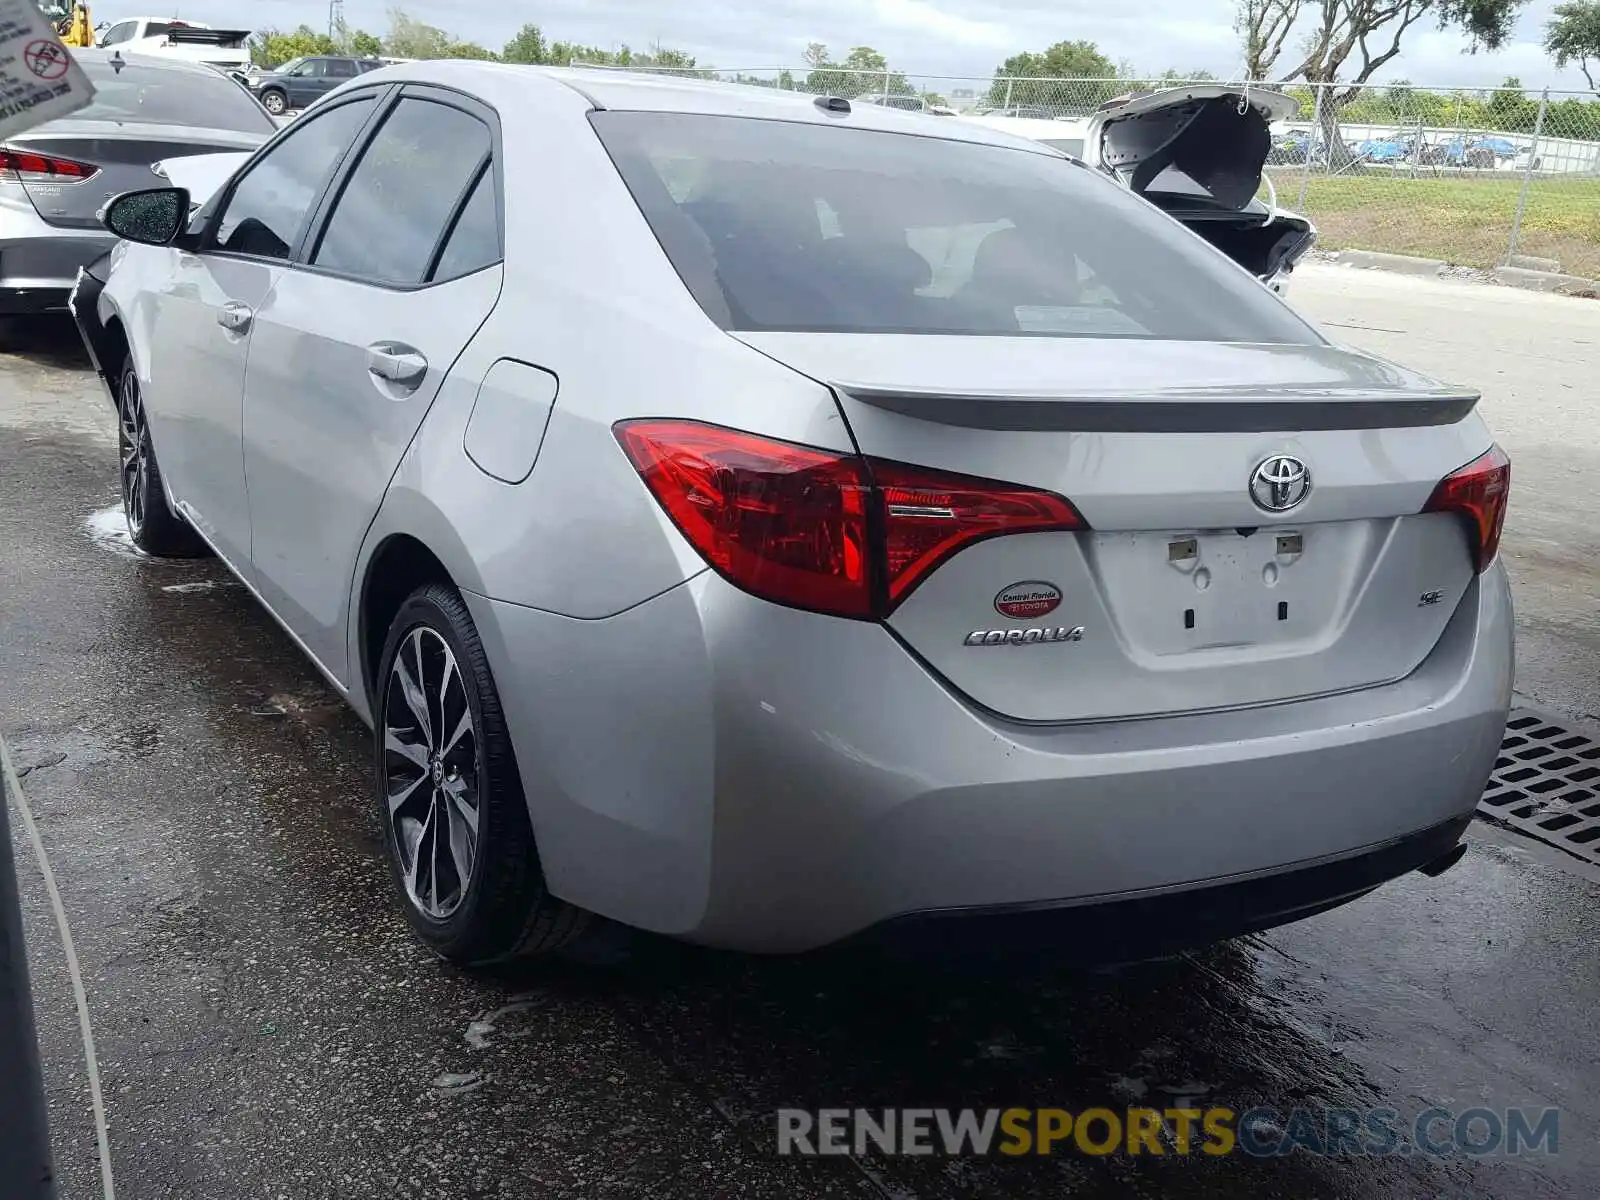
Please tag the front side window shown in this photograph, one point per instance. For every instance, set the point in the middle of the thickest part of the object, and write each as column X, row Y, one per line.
column 122, row 31
column 270, row 207
column 400, row 198
column 800, row 226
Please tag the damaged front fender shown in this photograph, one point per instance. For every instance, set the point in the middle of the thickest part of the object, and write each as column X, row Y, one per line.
column 91, row 313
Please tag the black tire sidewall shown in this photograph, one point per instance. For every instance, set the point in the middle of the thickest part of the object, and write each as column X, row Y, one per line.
column 162, row 533
column 267, row 99
column 504, row 842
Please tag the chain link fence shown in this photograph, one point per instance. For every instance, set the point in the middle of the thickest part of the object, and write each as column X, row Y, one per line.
column 1469, row 176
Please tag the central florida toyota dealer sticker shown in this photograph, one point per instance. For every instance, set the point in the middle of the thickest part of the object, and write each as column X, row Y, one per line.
column 1028, row 599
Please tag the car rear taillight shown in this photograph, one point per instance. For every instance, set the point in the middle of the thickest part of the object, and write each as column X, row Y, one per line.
column 929, row 515
column 28, row 167
column 816, row 529
column 1478, row 492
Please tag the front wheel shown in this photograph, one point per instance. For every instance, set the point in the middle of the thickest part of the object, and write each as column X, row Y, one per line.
column 460, row 846
column 275, row 103
column 152, row 524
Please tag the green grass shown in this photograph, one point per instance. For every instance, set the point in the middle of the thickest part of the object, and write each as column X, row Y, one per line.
column 1464, row 220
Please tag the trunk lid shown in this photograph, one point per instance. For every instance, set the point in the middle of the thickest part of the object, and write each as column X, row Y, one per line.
column 1189, row 595
column 1201, row 146
column 124, row 155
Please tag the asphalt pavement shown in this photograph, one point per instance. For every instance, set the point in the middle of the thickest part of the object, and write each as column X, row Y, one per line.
column 266, row 1027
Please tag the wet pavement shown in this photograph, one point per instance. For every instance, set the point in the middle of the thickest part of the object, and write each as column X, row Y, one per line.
column 267, row 1027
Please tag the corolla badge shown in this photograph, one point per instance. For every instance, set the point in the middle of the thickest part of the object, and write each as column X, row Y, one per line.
column 1029, row 599
column 1024, row 637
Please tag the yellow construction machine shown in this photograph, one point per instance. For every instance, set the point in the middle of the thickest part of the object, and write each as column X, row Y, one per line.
column 74, row 25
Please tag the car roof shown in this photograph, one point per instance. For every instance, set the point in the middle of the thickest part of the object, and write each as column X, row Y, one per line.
column 505, row 86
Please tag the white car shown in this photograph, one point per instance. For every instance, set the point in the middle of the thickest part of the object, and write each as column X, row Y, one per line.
column 192, row 41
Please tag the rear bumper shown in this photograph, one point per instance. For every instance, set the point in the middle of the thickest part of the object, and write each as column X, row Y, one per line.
column 1162, row 923
column 713, row 767
column 39, row 263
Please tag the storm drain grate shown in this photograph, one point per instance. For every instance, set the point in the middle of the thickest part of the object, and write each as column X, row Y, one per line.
column 1546, row 783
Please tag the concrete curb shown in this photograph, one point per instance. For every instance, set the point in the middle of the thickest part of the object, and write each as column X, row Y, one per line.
column 1546, row 281
column 1404, row 264
column 1529, row 262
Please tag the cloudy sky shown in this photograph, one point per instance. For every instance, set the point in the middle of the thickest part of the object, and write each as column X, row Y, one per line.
column 934, row 37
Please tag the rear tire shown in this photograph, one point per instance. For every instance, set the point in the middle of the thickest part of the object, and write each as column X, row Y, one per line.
column 152, row 524
column 455, row 822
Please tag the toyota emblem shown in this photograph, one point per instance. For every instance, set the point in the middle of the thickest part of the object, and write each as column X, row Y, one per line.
column 1280, row 483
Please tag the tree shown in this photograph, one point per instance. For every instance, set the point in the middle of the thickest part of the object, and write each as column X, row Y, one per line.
column 365, row 45
column 411, row 38
column 273, row 47
column 1074, row 61
column 469, row 50
column 1263, row 26
column 527, row 47
column 1341, row 30
column 1574, row 36
column 863, row 70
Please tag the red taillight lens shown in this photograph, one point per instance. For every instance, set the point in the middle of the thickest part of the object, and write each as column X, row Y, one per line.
column 1479, row 492
column 820, row 530
column 786, row 522
column 929, row 515
column 31, row 167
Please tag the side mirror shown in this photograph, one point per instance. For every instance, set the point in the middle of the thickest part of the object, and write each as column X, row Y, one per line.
column 153, row 217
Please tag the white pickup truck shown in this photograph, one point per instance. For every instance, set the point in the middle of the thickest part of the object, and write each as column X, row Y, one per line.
column 194, row 41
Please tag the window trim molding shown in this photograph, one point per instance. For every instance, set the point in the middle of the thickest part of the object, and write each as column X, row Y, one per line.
column 208, row 236
column 322, row 213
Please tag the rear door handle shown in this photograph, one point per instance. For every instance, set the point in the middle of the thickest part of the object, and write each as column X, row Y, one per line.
column 235, row 316
column 397, row 363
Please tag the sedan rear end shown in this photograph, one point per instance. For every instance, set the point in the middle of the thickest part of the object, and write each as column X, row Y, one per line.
column 55, row 178
column 1133, row 601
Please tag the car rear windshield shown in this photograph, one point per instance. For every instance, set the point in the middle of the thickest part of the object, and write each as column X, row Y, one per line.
column 151, row 95
column 796, row 226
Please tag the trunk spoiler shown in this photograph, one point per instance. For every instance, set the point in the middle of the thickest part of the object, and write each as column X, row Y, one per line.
column 228, row 39
column 1220, row 414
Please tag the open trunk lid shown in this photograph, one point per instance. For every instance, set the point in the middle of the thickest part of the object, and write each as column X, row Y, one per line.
column 1204, row 144
column 1184, row 593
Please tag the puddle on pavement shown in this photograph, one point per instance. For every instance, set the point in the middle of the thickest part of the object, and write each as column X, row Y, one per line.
column 108, row 529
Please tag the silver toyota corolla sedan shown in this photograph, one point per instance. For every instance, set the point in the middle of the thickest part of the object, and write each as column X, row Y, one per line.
column 776, row 522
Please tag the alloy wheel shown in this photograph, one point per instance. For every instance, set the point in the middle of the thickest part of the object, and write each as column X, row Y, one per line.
column 431, row 776
column 133, row 445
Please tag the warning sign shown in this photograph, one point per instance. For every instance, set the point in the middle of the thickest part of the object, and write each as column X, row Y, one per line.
column 46, row 59
column 39, row 81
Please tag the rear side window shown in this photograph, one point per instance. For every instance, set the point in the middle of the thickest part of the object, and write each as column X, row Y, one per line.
column 268, row 211
column 397, row 204
column 777, row 225
column 341, row 68
column 474, row 242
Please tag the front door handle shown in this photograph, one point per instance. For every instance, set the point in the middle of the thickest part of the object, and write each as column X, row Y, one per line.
column 235, row 317
column 397, row 363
